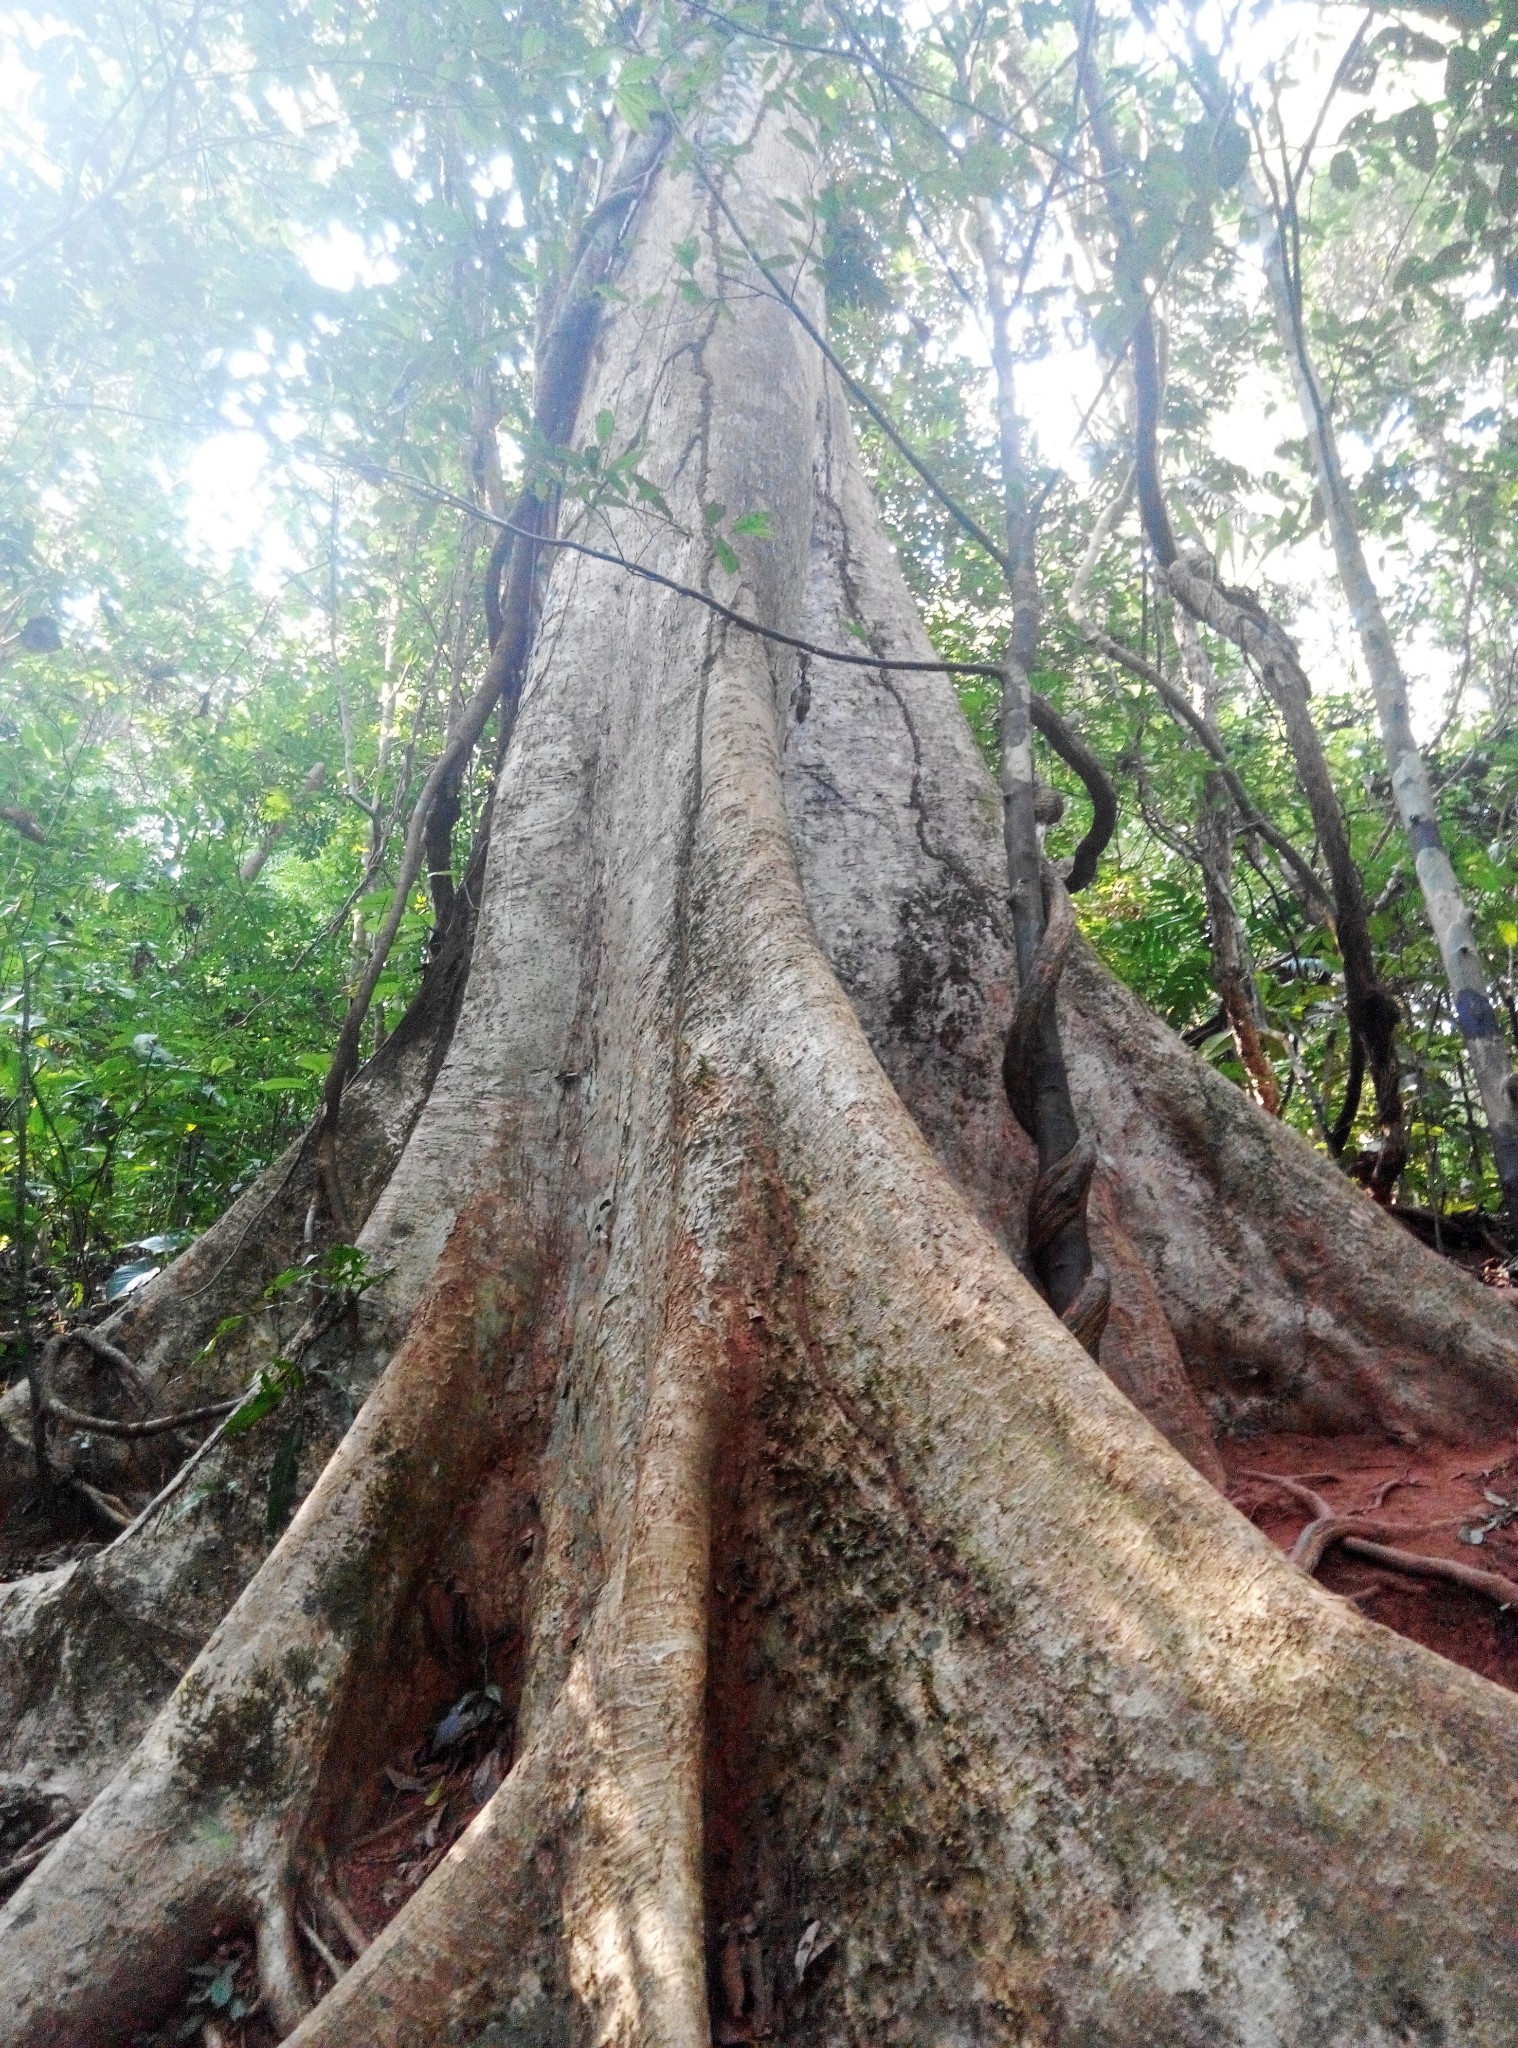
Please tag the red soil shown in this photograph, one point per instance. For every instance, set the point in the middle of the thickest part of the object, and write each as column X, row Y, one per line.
column 417, row 1822
column 1447, row 1492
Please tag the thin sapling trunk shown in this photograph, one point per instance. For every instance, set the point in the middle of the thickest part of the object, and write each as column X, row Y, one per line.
column 1412, row 788
column 1227, row 938
column 1193, row 581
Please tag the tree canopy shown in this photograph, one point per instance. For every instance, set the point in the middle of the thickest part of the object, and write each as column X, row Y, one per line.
column 268, row 283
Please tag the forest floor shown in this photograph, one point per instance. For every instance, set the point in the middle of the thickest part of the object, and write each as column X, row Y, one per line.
column 415, row 1809
column 1438, row 1491
column 421, row 1799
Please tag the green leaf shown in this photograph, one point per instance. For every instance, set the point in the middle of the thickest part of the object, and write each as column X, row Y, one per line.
column 1417, row 137
column 292, row 1276
column 274, row 1383
column 725, row 554
column 714, row 514
column 1447, row 262
column 225, row 1328
column 983, row 170
column 605, row 427
column 756, row 523
column 636, row 102
column 348, row 1267
column 1462, row 70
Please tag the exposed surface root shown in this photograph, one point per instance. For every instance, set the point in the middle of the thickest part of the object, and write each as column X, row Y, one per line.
column 1442, row 1589
column 35, row 1847
column 1363, row 1537
column 208, row 1818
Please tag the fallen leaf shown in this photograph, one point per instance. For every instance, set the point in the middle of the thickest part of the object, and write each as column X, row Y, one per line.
column 813, row 1943
column 486, row 1777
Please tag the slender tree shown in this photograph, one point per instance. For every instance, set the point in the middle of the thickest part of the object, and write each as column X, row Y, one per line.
column 1274, row 222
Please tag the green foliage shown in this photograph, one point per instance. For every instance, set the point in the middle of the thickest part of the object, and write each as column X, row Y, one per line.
column 316, row 244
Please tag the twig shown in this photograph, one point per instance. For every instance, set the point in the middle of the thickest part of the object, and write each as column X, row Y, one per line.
column 382, row 1833
column 1390, row 1486
column 167, row 1493
column 338, row 1969
column 341, row 1914
column 115, row 1512
column 32, row 1852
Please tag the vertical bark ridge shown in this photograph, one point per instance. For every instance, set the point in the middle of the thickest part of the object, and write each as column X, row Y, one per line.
column 896, row 824
column 1289, row 1295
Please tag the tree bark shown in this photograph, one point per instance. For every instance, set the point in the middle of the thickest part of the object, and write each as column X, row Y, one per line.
column 852, row 1591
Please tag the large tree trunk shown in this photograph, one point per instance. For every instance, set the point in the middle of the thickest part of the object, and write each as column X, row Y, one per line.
column 849, row 1589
